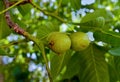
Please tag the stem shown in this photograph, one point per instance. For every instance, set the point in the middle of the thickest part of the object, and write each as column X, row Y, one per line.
column 48, row 13
column 59, row 5
column 12, row 43
column 53, row 14
column 40, row 45
column 11, row 6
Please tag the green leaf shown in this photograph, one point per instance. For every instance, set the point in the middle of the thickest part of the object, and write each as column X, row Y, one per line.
column 4, row 29
column 113, row 73
column 2, row 52
column 44, row 30
column 58, row 62
column 117, row 26
column 116, row 12
column 16, row 20
column 97, row 22
column 114, row 69
column 113, row 66
column 98, row 13
column 109, row 37
column 73, row 66
column 65, row 2
column 24, row 9
column 115, row 51
column 117, row 66
column 93, row 65
column 76, row 4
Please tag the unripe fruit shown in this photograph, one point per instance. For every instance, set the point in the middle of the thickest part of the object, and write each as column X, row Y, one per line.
column 59, row 42
column 100, row 21
column 79, row 41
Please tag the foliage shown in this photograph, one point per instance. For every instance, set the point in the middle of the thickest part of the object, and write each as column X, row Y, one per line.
column 23, row 61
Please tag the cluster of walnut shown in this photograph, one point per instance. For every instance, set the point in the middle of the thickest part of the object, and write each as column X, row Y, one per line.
column 61, row 42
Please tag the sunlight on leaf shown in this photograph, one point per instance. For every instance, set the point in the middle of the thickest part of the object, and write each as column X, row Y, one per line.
column 93, row 67
column 111, row 38
column 115, row 51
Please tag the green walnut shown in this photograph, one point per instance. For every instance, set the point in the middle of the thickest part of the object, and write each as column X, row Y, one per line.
column 79, row 41
column 58, row 42
column 100, row 21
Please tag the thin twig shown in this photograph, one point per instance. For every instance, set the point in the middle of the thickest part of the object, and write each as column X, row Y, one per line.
column 48, row 13
column 53, row 14
column 12, row 43
column 11, row 6
column 59, row 5
column 41, row 47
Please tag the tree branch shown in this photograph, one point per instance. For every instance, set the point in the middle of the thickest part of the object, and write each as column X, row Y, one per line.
column 53, row 14
column 8, row 8
column 20, row 31
column 22, row 3
column 12, row 43
column 48, row 13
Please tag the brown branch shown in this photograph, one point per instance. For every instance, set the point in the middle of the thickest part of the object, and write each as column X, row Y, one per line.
column 24, row 2
column 11, row 24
